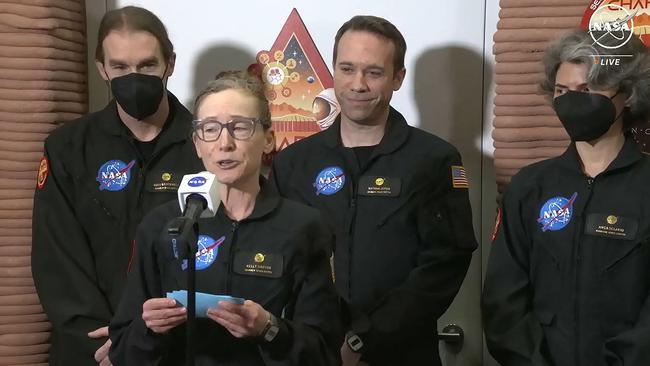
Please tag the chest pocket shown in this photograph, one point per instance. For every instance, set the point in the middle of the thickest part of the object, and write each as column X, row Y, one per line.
column 625, row 281
column 261, row 277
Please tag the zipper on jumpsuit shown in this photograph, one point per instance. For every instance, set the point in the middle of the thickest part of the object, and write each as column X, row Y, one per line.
column 137, row 208
column 578, row 235
column 353, row 212
column 231, row 256
column 142, row 175
column 353, row 219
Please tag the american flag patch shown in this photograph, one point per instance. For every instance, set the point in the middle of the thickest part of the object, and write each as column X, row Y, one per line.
column 459, row 177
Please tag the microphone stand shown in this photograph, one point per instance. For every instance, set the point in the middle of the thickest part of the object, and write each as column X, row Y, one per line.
column 185, row 231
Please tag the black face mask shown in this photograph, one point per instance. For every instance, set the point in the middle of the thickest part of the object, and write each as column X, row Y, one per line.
column 585, row 116
column 138, row 94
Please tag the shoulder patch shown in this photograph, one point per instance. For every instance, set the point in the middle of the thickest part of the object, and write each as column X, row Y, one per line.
column 459, row 177
column 43, row 170
column 497, row 224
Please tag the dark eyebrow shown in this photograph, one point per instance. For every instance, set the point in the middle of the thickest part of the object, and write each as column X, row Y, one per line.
column 558, row 85
column 371, row 67
column 213, row 118
column 114, row 62
column 244, row 117
column 148, row 61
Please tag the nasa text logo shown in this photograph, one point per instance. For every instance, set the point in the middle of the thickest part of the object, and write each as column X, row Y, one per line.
column 114, row 175
column 207, row 251
column 329, row 181
column 556, row 213
column 609, row 28
column 196, row 182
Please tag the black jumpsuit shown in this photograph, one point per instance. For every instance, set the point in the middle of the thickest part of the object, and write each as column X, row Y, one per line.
column 277, row 257
column 568, row 278
column 86, row 208
column 403, row 227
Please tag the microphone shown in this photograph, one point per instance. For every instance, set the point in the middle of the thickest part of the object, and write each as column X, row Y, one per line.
column 198, row 195
column 195, row 205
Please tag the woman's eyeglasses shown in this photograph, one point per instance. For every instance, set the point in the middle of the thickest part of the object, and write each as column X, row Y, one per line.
column 239, row 128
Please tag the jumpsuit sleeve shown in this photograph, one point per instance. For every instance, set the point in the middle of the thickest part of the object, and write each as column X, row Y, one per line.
column 63, row 268
column 132, row 342
column 513, row 333
column 446, row 243
column 632, row 347
column 311, row 333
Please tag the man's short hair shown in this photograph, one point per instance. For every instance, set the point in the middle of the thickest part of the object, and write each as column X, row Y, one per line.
column 377, row 26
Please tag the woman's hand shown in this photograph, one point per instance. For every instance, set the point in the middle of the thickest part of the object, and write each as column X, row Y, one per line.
column 161, row 314
column 247, row 320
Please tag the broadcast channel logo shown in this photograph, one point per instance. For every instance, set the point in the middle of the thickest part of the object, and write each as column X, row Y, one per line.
column 611, row 26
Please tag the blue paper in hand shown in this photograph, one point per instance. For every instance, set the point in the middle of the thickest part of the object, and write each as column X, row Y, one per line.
column 203, row 301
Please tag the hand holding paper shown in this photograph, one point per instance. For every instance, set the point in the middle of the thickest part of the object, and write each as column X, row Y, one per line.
column 247, row 320
column 203, row 301
column 160, row 315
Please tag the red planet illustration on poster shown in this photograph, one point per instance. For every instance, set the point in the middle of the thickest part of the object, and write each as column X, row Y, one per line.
column 298, row 84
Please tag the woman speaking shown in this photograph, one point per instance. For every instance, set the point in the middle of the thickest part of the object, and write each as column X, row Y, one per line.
column 290, row 315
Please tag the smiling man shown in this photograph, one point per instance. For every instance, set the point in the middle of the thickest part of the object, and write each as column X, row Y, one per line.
column 396, row 197
column 100, row 174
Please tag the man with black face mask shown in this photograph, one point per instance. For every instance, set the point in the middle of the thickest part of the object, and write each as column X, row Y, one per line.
column 99, row 175
column 568, row 279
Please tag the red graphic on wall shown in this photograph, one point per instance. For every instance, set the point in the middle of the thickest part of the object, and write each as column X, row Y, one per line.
column 298, row 84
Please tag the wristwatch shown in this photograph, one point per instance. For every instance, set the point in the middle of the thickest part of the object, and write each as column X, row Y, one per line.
column 354, row 342
column 271, row 329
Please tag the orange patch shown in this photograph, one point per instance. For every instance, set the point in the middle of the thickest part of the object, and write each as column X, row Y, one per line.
column 43, row 169
column 497, row 224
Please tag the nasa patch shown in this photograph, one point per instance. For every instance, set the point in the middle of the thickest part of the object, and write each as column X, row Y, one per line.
column 114, row 175
column 329, row 181
column 207, row 251
column 197, row 181
column 556, row 213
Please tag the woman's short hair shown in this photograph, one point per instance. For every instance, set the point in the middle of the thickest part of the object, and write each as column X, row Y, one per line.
column 631, row 74
column 238, row 80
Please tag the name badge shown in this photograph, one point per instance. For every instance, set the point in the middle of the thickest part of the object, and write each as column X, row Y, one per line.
column 258, row 264
column 612, row 226
column 164, row 181
column 379, row 186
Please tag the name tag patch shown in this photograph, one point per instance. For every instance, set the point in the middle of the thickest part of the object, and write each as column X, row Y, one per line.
column 612, row 226
column 165, row 181
column 380, row 186
column 258, row 264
